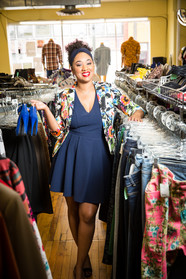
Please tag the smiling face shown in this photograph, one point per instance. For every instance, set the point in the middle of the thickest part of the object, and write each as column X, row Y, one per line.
column 83, row 67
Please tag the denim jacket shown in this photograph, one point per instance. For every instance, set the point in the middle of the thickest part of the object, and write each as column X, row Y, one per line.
column 108, row 97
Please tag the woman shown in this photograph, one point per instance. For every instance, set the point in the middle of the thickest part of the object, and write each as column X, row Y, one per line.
column 85, row 141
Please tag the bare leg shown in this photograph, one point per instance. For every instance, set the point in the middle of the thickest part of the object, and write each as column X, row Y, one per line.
column 73, row 217
column 87, row 214
column 85, row 211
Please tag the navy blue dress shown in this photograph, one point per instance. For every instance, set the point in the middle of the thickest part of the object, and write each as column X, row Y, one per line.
column 82, row 166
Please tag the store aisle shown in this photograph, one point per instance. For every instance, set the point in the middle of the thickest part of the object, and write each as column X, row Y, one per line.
column 59, row 245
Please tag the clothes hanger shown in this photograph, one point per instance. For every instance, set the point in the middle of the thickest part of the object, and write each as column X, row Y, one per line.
column 8, row 116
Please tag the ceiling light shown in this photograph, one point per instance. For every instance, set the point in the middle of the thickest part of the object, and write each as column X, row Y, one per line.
column 69, row 10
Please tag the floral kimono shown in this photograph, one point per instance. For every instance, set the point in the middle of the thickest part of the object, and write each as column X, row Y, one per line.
column 109, row 98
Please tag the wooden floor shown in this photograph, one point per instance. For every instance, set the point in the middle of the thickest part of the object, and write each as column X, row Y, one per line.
column 59, row 245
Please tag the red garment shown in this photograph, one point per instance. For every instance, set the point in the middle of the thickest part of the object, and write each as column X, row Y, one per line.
column 53, row 54
column 10, row 175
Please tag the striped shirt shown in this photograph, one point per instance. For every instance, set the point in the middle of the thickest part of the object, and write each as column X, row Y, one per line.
column 52, row 53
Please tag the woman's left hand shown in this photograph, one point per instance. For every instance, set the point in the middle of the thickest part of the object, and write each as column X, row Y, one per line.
column 137, row 116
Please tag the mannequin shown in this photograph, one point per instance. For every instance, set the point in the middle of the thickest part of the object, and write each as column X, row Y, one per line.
column 130, row 51
column 52, row 56
column 102, row 60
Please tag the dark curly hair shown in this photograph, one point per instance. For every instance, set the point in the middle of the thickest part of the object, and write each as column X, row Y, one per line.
column 76, row 45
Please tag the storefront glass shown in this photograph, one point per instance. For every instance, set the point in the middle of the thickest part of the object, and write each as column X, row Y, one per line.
column 26, row 40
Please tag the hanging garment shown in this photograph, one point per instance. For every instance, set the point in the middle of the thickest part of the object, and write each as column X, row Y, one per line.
column 2, row 147
column 7, row 257
column 121, row 209
column 10, row 175
column 130, row 51
column 22, row 238
column 164, row 235
column 102, row 59
column 41, row 196
column 24, row 151
column 51, row 55
column 108, row 255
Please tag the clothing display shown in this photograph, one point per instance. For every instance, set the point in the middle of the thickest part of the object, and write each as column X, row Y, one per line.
column 146, row 221
column 51, row 56
column 29, row 152
column 134, row 173
column 93, row 139
column 23, row 151
column 24, row 168
column 11, row 177
column 130, row 51
column 25, row 249
column 102, row 58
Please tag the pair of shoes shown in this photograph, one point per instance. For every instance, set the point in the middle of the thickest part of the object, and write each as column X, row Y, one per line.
column 33, row 122
column 74, row 273
column 87, row 271
column 27, row 122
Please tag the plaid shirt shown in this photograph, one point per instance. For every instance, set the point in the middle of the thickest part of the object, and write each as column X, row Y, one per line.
column 53, row 54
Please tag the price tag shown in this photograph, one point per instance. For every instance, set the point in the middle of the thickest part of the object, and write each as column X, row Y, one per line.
column 164, row 190
column 8, row 99
column 14, row 101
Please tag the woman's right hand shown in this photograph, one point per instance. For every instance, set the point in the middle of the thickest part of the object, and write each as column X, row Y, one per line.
column 39, row 105
column 51, row 121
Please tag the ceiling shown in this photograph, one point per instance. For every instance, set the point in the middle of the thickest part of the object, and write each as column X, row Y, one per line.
column 39, row 3
column 59, row 3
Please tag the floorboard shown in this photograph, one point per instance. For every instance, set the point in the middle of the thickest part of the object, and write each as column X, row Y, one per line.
column 60, row 248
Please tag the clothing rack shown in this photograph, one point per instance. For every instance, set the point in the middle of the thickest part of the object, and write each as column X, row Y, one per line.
column 156, row 88
column 147, row 158
column 42, row 92
column 5, row 109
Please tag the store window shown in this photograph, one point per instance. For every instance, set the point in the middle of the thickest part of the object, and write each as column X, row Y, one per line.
column 26, row 40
